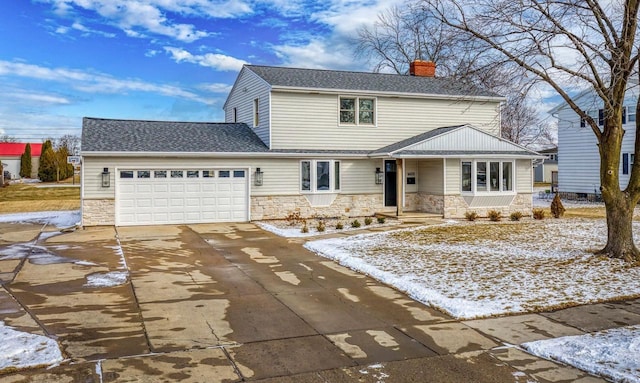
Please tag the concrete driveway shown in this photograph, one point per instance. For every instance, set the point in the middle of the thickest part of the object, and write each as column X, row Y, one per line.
column 229, row 303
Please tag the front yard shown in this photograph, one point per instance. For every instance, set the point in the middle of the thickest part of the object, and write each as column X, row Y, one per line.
column 481, row 269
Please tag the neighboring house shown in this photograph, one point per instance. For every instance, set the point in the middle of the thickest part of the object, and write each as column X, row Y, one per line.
column 318, row 142
column 10, row 153
column 578, row 156
column 547, row 171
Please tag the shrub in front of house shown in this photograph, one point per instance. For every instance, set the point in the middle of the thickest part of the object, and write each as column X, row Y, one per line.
column 557, row 209
column 538, row 213
column 516, row 216
column 471, row 215
column 356, row 223
column 381, row 220
column 339, row 226
column 494, row 215
column 321, row 226
column 304, row 229
column 368, row 221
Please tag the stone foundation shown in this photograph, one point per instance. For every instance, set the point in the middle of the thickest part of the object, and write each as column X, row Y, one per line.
column 278, row 207
column 455, row 207
column 97, row 212
column 429, row 203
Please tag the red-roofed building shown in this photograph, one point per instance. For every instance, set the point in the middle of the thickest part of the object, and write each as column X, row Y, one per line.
column 10, row 153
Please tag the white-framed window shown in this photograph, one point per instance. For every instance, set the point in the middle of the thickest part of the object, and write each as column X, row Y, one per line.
column 256, row 112
column 596, row 114
column 357, row 110
column 629, row 114
column 319, row 176
column 487, row 176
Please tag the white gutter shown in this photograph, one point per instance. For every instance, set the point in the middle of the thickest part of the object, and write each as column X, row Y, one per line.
column 386, row 93
column 223, row 154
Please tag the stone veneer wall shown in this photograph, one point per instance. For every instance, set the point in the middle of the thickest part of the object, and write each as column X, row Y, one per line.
column 278, row 207
column 97, row 212
column 455, row 206
column 430, row 203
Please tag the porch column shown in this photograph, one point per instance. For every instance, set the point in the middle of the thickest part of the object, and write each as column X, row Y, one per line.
column 399, row 186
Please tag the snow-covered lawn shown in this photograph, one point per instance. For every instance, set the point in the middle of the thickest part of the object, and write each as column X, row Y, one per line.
column 294, row 230
column 66, row 218
column 613, row 354
column 480, row 269
column 21, row 350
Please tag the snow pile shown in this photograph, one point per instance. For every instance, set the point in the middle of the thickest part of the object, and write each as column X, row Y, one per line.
column 110, row 279
column 613, row 354
column 21, row 350
column 65, row 218
column 474, row 269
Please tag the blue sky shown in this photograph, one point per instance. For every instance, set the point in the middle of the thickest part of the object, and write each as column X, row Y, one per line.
column 61, row 60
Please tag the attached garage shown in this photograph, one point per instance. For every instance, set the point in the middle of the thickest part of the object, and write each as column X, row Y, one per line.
column 176, row 196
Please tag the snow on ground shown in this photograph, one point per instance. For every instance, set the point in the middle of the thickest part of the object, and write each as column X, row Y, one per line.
column 21, row 350
column 613, row 354
column 110, row 279
column 61, row 219
column 480, row 269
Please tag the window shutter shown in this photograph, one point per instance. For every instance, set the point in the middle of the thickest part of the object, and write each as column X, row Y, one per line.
column 624, row 115
column 625, row 163
column 601, row 117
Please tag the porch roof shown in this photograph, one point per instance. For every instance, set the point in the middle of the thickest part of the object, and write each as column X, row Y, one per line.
column 455, row 141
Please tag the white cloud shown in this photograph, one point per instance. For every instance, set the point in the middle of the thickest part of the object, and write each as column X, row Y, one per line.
column 335, row 51
column 213, row 60
column 94, row 82
column 40, row 98
column 137, row 18
column 216, row 87
column 316, row 54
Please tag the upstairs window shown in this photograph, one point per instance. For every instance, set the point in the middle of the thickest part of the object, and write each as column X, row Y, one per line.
column 357, row 111
column 319, row 176
column 256, row 112
column 597, row 115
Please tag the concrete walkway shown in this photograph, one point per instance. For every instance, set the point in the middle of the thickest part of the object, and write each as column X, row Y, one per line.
column 229, row 303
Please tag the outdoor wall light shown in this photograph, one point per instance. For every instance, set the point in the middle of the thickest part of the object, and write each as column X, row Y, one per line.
column 106, row 178
column 378, row 176
column 257, row 177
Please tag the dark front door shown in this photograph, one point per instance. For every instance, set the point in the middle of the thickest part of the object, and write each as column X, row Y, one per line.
column 390, row 183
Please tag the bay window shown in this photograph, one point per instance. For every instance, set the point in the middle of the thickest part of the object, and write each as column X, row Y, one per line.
column 319, row 176
column 487, row 176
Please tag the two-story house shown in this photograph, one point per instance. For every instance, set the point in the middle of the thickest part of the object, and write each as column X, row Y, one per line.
column 578, row 155
column 319, row 142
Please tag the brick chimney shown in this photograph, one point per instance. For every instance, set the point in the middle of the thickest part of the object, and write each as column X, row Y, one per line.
column 422, row 68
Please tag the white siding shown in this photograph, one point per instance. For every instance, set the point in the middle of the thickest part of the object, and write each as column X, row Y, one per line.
column 524, row 176
column 453, row 176
column 281, row 176
column 431, row 176
column 578, row 156
column 247, row 88
column 310, row 121
column 464, row 139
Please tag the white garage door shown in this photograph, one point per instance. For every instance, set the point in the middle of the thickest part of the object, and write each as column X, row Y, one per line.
column 174, row 196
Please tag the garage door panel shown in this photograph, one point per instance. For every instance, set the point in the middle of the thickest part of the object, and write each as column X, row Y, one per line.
column 176, row 188
column 176, row 200
column 160, row 188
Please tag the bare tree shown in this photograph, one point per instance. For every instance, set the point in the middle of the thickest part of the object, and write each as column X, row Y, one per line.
column 569, row 45
column 404, row 34
column 7, row 138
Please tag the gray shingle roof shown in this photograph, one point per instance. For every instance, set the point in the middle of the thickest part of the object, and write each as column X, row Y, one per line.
column 365, row 81
column 105, row 135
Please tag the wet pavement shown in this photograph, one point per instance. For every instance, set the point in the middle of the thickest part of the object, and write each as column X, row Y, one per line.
column 231, row 303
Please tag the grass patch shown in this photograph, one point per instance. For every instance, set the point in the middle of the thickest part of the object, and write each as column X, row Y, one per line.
column 18, row 198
